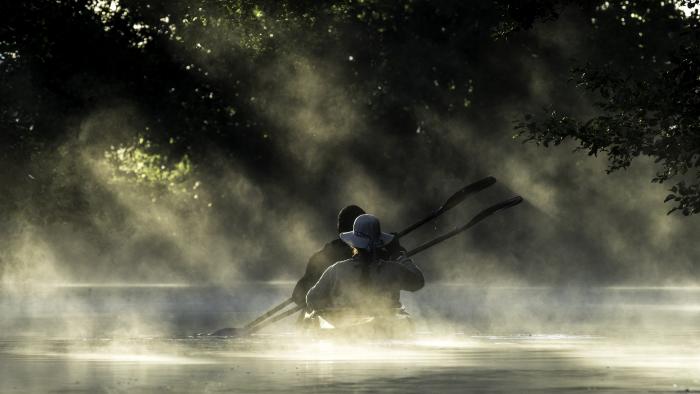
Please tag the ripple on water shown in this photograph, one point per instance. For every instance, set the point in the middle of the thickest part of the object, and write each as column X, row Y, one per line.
column 516, row 363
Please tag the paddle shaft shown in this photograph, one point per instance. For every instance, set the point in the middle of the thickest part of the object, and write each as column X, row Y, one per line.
column 269, row 313
column 274, row 319
column 451, row 202
column 476, row 219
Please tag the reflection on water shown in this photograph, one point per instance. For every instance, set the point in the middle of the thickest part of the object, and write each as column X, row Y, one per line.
column 283, row 363
column 84, row 339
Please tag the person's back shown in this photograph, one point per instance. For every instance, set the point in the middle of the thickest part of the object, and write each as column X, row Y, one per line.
column 335, row 251
column 365, row 281
column 365, row 285
column 332, row 252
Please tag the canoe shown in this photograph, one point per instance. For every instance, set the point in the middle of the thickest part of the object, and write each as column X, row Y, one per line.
column 351, row 324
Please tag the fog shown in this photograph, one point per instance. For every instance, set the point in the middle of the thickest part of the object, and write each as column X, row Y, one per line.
column 75, row 215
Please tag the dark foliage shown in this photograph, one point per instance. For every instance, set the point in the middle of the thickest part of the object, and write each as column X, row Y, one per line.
column 188, row 69
column 648, row 105
column 158, row 90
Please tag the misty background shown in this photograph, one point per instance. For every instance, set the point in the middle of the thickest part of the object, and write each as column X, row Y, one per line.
column 214, row 142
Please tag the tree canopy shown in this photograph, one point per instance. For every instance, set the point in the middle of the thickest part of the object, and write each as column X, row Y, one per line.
column 646, row 106
column 190, row 71
column 232, row 119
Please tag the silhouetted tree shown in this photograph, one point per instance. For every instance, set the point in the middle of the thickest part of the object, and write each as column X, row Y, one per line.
column 648, row 103
column 190, row 68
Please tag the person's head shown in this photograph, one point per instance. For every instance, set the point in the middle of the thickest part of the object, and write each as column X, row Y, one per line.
column 366, row 234
column 347, row 216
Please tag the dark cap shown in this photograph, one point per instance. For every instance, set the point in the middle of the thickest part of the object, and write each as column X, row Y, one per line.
column 347, row 216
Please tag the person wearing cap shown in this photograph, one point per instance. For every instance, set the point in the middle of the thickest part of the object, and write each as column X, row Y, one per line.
column 335, row 251
column 365, row 282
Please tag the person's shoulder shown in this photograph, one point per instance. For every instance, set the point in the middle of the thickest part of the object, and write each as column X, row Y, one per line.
column 336, row 244
column 330, row 247
column 393, row 249
column 342, row 264
column 394, row 243
column 344, row 261
column 336, row 250
column 337, row 266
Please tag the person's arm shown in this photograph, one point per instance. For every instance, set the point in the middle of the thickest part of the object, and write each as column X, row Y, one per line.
column 317, row 263
column 318, row 297
column 306, row 281
column 410, row 276
column 394, row 249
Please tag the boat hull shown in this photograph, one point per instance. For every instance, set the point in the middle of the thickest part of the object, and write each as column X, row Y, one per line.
column 347, row 325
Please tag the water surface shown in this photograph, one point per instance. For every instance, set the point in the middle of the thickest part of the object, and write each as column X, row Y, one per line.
column 134, row 339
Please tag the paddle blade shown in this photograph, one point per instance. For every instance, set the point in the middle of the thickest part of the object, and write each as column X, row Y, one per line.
column 511, row 202
column 463, row 193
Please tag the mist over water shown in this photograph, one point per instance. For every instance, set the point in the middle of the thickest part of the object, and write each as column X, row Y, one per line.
column 88, row 310
column 136, row 338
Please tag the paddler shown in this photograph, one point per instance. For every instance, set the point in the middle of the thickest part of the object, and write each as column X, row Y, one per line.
column 335, row 251
column 368, row 281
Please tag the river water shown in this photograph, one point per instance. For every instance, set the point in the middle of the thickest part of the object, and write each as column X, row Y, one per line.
column 123, row 338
